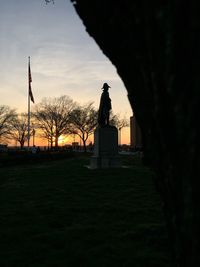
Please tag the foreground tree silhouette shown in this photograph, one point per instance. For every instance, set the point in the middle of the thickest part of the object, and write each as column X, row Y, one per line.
column 157, row 58
column 52, row 117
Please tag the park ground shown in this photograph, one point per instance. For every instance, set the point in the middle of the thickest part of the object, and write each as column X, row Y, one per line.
column 59, row 213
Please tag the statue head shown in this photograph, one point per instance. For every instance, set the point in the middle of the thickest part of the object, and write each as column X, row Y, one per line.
column 105, row 87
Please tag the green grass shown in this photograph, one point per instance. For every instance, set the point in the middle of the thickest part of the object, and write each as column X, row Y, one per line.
column 62, row 214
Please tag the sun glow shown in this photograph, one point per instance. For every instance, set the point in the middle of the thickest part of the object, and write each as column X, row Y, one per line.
column 63, row 140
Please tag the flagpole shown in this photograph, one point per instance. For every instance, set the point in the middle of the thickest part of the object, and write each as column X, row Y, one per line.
column 29, row 102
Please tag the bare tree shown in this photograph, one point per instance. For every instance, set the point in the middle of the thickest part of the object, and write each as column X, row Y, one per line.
column 19, row 132
column 7, row 116
column 83, row 121
column 115, row 120
column 52, row 117
column 120, row 124
column 44, row 122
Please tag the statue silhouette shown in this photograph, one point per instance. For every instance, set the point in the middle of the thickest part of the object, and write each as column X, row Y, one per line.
column 104, row 107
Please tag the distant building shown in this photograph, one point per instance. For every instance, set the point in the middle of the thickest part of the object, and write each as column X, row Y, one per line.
column 75, row 145
column 135, row 134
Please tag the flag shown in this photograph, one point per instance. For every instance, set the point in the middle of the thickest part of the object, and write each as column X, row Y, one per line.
column 29, row 82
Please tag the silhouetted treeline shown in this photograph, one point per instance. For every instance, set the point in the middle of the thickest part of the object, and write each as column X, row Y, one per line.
column 50, row 119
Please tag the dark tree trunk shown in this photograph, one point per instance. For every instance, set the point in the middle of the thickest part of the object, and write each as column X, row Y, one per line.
column 155, row 47
column 21, row 144
column 56, row 141
column 84, row 141
column 84, row 146
column 51, row 142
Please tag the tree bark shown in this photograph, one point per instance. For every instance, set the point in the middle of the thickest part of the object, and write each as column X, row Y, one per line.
column 51, row 142
column 21, row 145
column 155, row 47
column 84, row 146
column 56, row 141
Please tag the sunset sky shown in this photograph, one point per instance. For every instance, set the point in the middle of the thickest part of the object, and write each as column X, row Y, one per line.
column 65, row 60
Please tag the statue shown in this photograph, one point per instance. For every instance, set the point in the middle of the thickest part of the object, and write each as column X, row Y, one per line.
column 105, row 137
column 104, row 107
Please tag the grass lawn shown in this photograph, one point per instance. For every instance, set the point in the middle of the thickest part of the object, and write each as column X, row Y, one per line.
column 59, row 213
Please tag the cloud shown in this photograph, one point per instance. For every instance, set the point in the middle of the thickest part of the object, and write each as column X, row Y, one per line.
column 64, row 58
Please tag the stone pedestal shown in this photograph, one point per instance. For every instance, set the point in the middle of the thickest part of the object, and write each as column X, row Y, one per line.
column 105, row 148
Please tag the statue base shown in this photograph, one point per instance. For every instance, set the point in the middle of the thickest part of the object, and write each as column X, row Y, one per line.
column 105, row 148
